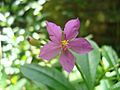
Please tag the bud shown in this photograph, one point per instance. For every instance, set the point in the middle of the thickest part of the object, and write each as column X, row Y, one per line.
column 33, row 41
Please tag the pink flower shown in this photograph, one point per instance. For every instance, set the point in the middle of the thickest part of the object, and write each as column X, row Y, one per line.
column 61, row 42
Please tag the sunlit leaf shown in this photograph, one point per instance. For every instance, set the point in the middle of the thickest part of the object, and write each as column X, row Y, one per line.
column 104, row 85
column 0, row 51
column 111, row 57
column 18, row 86
column 115, row 86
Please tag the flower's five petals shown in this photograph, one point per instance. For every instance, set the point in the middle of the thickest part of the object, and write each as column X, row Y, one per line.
column 54, row 31
column 61, row 43
column 49, row 51
column 71, row 28
column 80, row 45
column 67, row 60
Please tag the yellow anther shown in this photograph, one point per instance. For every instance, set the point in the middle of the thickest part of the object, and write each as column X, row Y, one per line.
column 64, row 42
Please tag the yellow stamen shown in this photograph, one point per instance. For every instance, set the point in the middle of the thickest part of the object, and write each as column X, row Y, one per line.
column 64, row 42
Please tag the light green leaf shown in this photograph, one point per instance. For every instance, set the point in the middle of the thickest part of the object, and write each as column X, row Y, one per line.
column 0, row 51
column 104, row 85
column 115, row 86
column 87, row 64
column 47, row 76
column 18, row 86
column 111, row 57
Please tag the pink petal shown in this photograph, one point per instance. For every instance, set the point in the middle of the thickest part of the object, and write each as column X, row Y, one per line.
column 71, row 28
column 49, row 51
column 67, row 60
column 54, row 31
column 80, row 45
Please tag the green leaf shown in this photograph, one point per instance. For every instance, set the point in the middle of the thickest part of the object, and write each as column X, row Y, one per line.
column 87, row 64
column 111, row 57
column 115, row 86
column 18, row 86
column 81, row 86
column 0, row 51
column 47, row 76
column 104, row 85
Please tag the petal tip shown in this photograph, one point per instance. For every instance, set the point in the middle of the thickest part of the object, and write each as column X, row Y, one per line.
column 40, row 56
column 69, row 71
column 47, row 22
column 91, row 48
column 78, row 21
column 77, row 18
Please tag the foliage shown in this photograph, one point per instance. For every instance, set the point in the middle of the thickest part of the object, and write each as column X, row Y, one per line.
column 87, row 65
column 20, row 19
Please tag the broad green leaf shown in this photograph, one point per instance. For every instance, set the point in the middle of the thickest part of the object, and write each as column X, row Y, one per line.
column 47, row 76
column 81, row 86
column 87, row 64
column 115, row 86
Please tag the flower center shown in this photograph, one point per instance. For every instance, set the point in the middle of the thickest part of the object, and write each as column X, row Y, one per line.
column 64, row 43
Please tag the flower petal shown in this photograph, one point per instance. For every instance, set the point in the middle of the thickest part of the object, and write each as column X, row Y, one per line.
column 80, row 45
column 71, row 29
column 67, row 60
column 49, row 51
column 54, row 31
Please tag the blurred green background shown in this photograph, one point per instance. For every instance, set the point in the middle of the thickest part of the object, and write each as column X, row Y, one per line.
column 19, row 19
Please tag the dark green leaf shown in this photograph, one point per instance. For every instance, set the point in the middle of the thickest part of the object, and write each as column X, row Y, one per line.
column 46, row 76
column 81, row 86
